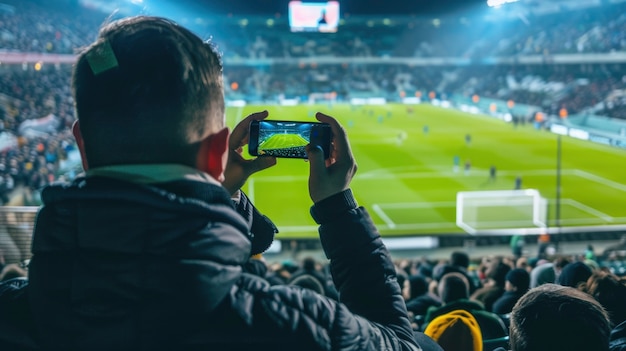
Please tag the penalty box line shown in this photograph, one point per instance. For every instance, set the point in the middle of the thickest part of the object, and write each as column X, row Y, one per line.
column 378, row 209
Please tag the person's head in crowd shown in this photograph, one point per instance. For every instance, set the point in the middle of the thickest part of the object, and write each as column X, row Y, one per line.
column 543, row 273
column 559, row 264
column 307, row 281
column 523, row 263
column 130, row 84
column 517, row 280
column 574, row 274
column 532, row 262
column 418, row 285
column 425, row 270
column 453, row 286
column 497, row 270
column 309, row 264
column 552, row 317
column 290, row 266
column 610, row 291
column 459, row 259
column 278, row 275
column 456, row 331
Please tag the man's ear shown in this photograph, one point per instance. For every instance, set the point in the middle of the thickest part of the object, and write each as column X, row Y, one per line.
column 81, row 143
column 213, row 154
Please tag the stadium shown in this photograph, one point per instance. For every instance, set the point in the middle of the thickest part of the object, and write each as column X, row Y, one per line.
column 473, row 123
column 542, row 106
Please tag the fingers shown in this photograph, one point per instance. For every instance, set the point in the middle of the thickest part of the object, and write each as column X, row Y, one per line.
column 340, row 139
column 239, row 135
column 316, row 159
column 260, row 163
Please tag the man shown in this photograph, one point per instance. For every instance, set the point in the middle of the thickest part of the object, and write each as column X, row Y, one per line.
column 492, row 173
column 517, row 283
column 459, row 262
column 146, row 251
column 493, row 286
column 558, row 318
column 453, row 290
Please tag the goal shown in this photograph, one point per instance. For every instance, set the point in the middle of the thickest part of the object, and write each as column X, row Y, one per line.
column 506, row 211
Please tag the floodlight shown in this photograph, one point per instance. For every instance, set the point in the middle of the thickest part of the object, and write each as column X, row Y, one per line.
column 498, row 3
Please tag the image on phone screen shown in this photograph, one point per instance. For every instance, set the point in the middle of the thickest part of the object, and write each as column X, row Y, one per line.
column 287, row 138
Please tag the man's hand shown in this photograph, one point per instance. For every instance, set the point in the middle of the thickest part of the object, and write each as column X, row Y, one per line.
column 239, row 169
column 331, row 176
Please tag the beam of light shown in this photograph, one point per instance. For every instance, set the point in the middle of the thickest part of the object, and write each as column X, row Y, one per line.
column 498, row 3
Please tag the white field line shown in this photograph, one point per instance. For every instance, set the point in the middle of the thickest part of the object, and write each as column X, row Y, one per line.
column 460, row 174
column 397, row 227
column 587, row 220
column 239, row 115
column 376, row 175
column 390, row 225
column 404, row 205
column 588, row 209
column 601, row 180
column 425, row 226
column 379, row 211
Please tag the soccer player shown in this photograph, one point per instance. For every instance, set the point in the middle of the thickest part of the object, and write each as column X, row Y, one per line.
column 492, row 173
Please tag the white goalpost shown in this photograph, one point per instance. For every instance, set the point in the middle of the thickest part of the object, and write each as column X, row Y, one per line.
column 508, row 211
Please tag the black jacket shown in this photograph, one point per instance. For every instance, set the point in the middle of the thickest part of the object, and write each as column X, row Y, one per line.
column 505, row 303
column 121, row 266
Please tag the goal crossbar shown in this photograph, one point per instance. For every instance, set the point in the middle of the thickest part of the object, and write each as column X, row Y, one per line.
column 499, row 204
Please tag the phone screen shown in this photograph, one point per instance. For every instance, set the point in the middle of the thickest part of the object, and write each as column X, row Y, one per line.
column 287, row 138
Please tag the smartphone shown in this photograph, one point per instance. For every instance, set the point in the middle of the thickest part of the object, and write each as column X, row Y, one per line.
column 287, row 138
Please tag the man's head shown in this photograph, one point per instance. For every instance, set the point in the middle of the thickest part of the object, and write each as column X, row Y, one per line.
column 452, row 287
column 459, row 259
column 456, row 331
column 553, row 317
column 517, row 280
column 149, row 91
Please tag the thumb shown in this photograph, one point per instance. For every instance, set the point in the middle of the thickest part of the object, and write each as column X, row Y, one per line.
column 316, row 159
column 261, row 163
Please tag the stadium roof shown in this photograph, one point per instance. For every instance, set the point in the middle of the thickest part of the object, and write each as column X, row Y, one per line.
column 357, row 7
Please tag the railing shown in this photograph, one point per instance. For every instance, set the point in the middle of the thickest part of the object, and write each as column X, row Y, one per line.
column 16, row 230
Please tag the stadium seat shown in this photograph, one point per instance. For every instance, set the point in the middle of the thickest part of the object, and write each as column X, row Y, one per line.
column 491, row 326
column 492, row 344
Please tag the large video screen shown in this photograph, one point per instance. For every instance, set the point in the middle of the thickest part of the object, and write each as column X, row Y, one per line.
column 314, row 16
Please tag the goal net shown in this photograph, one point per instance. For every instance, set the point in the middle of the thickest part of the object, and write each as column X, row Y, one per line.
column 501, row 210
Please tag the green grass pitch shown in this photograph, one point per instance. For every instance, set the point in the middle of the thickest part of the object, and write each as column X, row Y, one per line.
column 405, row 175
column 279, row 141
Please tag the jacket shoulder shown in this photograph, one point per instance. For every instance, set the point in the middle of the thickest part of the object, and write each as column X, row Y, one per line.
column 295, row 312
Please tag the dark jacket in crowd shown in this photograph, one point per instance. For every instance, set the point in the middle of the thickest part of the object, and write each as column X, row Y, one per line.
column 505, row 303
column 420, row 305
column 617, row 340
column 122, row 266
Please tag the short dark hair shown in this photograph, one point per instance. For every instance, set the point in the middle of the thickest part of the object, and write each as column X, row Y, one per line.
column 147, row 91
column 453, row 286
column 609, row 290
column 459, row 258
column 554, row 317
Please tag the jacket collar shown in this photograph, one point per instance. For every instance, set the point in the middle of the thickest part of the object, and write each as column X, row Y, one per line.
column 152, row 173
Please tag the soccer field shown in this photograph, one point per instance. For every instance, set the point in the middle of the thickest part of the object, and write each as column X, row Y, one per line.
column 406, row 178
